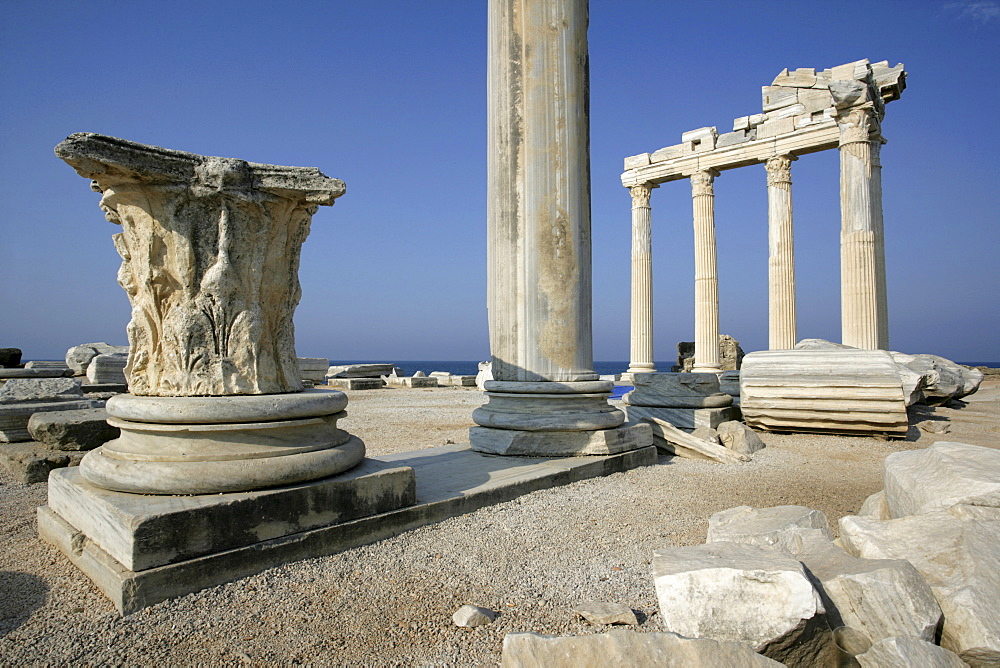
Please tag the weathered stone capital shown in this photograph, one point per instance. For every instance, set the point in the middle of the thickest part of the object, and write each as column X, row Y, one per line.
column 210, row 253
column 640, row 194
column 858, row 124
column 701, row 182
column 779, row 169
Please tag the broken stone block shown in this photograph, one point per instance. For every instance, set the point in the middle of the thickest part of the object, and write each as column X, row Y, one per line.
column 313, row 368
column 943, row 475
column 803, row 77
column 31, row 462
column 776, row 97
column 359, row 371
column 677, row 390
column 776, row 126
column 904, row 652
column 743, row 593
column 471, row 616
column 706, row 434
column 959, row 558
column 49, row 365
column 78, row 357
column 636, row 161
column 739, row 438
column 875, row 507
column 355, row 383
column 783, row 527
column 410, row 381
column 40, row 389
column 673, row 441
column 606, row 613
column 107, row 369
column 515, row 443
column 14, row 417
column 844, row 390
column 681, row 418
column 10, row 357
column 625, row 648
column 72, row 430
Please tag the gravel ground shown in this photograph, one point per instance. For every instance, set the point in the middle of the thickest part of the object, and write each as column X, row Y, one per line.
column 390, row 603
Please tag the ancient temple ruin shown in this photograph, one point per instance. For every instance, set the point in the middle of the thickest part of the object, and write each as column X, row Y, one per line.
column 804, row 111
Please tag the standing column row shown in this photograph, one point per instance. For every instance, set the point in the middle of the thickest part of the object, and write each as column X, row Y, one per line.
column 782, row 334
column 641, row 351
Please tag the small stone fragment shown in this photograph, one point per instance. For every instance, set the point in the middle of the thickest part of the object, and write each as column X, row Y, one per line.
column 739, row 438
column 606, row 613
column 471, row 616
column 934, row 426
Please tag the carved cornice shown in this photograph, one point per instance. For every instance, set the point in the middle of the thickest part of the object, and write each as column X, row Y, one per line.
column 779, row 169
column 640, row 194
column 701, row 183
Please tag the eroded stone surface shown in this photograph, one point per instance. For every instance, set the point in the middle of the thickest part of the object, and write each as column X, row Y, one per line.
column 72, row 430
column 78, row 357
column 904, row 652
column 471, row 616
column 598, row 612
column 941, row 476
column 211, row 313
column 739, row 438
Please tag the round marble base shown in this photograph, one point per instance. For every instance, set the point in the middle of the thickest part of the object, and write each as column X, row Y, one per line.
column 548, row 406
column 264, row 441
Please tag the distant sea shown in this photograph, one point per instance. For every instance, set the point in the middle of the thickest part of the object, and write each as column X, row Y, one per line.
column 464, row 368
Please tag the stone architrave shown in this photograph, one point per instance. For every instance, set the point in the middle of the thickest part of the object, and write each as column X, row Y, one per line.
column 864, row 319
column 641, row 351
column 210, row 251
column 706, row 274
column 782, row 332
column 538, row 252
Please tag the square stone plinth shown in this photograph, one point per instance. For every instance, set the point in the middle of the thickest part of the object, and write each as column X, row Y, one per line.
column 688, row 419
column 354, row 383
column 560, row 443
column 451, row 480
column 142, row 531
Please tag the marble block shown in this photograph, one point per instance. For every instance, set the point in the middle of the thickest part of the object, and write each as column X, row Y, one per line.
column 313, row 368
column 107, row 369
column 688, row 419
column 14, row 417
column 360, row 370
column 410, row 381
column 142, row 532
column 560, row 443
column 355, row 383
column 677, row 390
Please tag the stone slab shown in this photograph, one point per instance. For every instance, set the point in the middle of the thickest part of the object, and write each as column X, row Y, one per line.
column 560, row 443
column 14, row 417
column 142, row 532
column 374, row 370
column 31, row 462
column 411, row 381
column 451, row 480
column 8, row 374
column 72, row 430
column 688, row 419
column 355, row 383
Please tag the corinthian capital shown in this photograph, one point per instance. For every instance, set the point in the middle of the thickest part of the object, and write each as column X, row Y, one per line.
column 779, row 169
column 640, row 194
column 858, row 124
column 701, row 182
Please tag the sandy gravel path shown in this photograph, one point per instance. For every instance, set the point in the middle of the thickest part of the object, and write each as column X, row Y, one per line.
column 390, row 603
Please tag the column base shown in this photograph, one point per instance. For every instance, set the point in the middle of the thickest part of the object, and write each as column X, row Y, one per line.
column 560, row 443
column 688, row 419
column 210, row 445
column 706, row 369
column 548, row 406
column 140, row 549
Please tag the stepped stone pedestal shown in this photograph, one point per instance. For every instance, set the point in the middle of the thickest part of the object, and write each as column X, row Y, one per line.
column 210, row 250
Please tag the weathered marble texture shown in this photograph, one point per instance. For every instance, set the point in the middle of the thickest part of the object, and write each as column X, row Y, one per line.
column 210, row 252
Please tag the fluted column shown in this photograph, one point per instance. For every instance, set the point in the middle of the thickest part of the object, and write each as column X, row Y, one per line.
column 883, row 295
column 706, row 276
column 641, row 350
column 782, row 334
column 862, row 249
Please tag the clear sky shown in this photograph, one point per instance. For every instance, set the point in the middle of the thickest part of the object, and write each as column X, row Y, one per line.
column 390, row 96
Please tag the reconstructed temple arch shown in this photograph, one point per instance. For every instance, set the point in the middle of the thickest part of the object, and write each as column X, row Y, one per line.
column 804, row 111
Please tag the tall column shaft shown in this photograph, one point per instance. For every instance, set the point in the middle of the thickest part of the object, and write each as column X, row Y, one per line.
column 782, row 334
column 862, row 249
column 539, row 257
column 883, row 296
column 706, row 276
column 641, row 350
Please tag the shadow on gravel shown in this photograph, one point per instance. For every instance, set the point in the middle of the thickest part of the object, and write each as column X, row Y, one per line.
column 20, row 595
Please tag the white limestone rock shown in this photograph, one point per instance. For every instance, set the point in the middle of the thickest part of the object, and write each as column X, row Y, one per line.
column 707, row 434
column 742, row 593
column 847, row 391
column 944, row 475
column 739, row 438
column 905, row 652
column 942, row 379
column 471, row 616
column 78, row 357
column 598, row 612
column 625, row 648
column 40, row 389
column 959, row 557
column 672, row 440
column 107, row 369
column 782, row 527
column 875, row 507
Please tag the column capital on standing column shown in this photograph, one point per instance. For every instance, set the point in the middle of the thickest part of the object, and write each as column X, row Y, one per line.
column 701, row 182
column 641, row 192
column 779, row 169
column 858, row 124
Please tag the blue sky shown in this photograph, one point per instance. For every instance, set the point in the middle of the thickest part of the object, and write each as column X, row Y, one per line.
column 390, row 97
